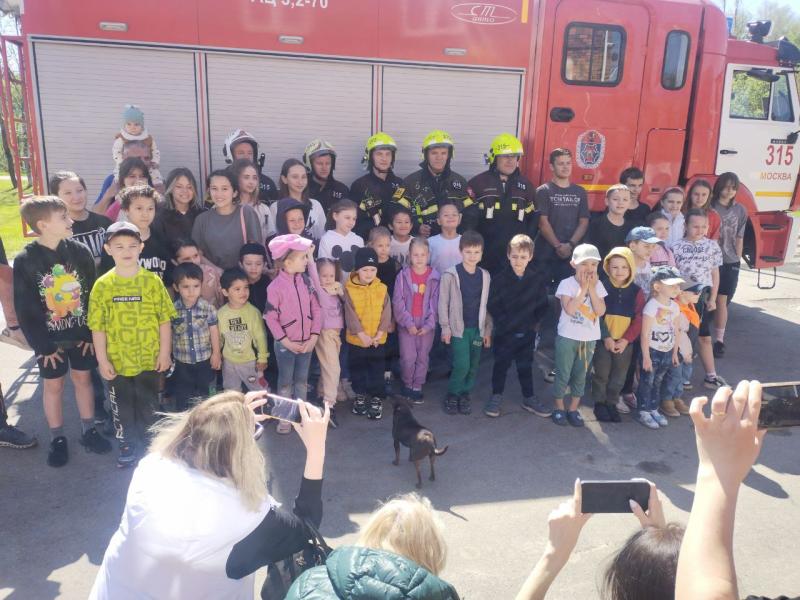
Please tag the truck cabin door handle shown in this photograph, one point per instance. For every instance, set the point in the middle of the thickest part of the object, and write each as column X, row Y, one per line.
column 725, row 151
column 562, row 114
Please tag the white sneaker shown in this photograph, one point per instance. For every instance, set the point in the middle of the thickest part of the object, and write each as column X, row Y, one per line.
column 646, row 419
column 659, row 418
column 622, row 408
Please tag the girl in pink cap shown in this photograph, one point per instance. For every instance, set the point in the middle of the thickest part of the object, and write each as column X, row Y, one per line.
column 293, row 316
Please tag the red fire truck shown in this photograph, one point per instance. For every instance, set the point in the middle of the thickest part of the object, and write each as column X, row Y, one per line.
column 659, row 84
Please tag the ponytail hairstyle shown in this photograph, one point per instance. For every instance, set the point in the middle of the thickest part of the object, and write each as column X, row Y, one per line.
column 340, row 206
column 337, row 268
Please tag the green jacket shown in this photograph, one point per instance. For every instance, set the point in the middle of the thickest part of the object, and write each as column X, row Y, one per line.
column 359, row 573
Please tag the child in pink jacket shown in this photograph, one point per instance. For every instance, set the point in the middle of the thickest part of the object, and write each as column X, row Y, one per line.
column 293, row 316
column 415, row 303
column 326, row 277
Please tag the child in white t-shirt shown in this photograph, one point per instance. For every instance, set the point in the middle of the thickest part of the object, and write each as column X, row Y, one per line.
column 444, row 247
column 659, row 348
column 582, row 305
column 400, row 225
column 340, row 244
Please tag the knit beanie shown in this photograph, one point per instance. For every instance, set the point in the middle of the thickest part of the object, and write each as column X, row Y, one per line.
column 133, row 114
column 365, row 257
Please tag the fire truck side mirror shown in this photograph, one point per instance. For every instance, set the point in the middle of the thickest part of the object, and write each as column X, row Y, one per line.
column 763, row 75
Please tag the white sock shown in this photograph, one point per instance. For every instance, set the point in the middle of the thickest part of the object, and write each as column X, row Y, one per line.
column 720, row 334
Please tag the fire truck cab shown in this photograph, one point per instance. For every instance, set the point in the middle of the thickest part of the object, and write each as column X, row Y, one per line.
column 659, row 84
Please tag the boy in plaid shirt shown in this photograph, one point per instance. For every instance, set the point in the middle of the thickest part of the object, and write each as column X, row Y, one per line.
column 195, row 338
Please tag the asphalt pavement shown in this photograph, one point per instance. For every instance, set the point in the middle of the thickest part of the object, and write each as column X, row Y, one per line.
column 494, row 488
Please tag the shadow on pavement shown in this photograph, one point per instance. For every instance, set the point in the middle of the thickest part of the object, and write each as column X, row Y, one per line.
column 52, row 518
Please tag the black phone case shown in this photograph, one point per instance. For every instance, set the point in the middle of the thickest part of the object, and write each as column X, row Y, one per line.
column 613, row 496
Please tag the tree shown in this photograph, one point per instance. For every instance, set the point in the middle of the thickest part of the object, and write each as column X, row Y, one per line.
column 785, row 20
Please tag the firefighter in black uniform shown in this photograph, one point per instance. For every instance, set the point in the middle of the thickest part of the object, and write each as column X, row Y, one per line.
column 434, row 183
column 503, row 202
column 374, row 191
column 320, row 160
column 240, row 144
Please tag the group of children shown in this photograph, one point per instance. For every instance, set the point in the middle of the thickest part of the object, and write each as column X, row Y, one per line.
column 361, row 309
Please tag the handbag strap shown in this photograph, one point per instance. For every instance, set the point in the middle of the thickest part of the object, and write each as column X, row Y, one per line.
column 316, row 537
column 241, row 220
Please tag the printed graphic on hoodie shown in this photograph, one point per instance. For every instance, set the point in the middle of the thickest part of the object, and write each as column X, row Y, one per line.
column 61, row 291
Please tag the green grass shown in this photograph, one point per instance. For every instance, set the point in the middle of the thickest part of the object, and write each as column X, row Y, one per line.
column 10, row 223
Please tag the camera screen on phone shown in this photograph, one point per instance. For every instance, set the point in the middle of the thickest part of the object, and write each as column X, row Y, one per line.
column 780, row 405
column 283, row 409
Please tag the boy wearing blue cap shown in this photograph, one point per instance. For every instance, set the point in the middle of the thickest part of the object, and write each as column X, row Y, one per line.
column 642, row 241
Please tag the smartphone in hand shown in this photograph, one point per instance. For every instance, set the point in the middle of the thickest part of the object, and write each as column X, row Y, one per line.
column 283, row 409
column 613, row 496
column 780, row 405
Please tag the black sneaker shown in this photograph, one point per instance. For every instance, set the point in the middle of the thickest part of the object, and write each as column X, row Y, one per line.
column 719, row 350
column 465, row 404
column 451, row 404
column 550, row 376
column 714, row 383
column 359, row 405
column 574, row 418
column 94, row 442
column 58, row 455
column 11, row 437
column 332, row 422
column 417, row 397
column 127, row 456
column 375, row 410
column 602, row 413
column 537, row 407
column 613, row 413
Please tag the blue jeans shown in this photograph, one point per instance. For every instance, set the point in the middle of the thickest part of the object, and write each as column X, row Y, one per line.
column 672, row 386
column 648, row 394
column 687, row 369
column 292, row 372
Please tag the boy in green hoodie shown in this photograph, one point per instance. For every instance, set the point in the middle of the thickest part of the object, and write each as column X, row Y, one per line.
column 619, row 328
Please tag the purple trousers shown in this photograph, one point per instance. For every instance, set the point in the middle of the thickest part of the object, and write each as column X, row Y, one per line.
column 414, row 355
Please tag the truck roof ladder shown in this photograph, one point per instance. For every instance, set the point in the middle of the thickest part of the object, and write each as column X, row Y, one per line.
column 17, row 116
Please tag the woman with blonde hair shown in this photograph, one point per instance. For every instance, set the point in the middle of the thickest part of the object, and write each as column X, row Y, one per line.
column 399, row 553
column 198, row 520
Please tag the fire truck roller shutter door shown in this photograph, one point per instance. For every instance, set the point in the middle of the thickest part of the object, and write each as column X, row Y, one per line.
column 82, row 89
column 471, row 105
column 284, row 103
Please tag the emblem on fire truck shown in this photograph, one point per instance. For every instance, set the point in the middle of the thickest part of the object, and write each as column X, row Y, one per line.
column 482, row 13
column 590, row 149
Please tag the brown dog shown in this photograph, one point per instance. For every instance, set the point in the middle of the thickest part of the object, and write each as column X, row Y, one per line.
column 420, row 442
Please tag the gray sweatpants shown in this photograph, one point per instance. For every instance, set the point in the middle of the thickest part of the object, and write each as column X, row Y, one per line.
column 236, row 374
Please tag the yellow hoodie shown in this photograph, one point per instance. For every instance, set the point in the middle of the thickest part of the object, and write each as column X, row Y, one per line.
column 621, row 300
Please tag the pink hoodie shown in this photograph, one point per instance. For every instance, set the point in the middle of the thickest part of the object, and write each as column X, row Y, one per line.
column 332, row 311
column 292, row 310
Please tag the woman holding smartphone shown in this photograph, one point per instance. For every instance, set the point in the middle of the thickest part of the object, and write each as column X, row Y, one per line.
column 210, row 548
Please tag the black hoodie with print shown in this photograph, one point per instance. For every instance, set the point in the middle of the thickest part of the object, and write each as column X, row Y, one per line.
column 51, row 294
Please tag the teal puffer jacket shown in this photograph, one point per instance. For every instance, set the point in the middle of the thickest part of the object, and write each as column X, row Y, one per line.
column 359, row 573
